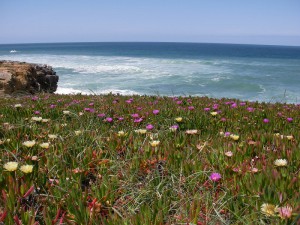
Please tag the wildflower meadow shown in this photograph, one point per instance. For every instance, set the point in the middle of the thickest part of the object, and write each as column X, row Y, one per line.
column 113, row 159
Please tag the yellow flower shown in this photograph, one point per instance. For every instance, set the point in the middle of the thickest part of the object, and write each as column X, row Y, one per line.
column 29, row 144
column 26, row 168
column 121, row 133
column 178, row 119
column 290, row 137
column 52, row 136
column 36, row 119
column 44, row 145
column 280, row 162
column 268, row 209
column 234, row 137
column 141, row 131
column 78, row 132
column 213, row 113
column 10, row 166
column 154, row 143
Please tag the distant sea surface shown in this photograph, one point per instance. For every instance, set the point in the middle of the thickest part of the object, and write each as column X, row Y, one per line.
column 247, row 72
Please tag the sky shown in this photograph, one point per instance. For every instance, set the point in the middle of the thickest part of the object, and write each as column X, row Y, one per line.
column 272, row 22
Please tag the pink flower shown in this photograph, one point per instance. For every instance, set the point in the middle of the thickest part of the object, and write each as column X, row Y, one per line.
column 250, row 109
column 101, row 115
column 155, row 111
column 285, row 212
column 37, row 112
column 91, row 104
column 120, row 118
column 135, row 115
column 52, row 106
column 215, row 177
column 242, row 103
column 149, row 127
column 289, row 119
column 266, row 121
column 191, row 108
column 138, row 120
column 34, row 98
column 109, row 119
column 206, row 109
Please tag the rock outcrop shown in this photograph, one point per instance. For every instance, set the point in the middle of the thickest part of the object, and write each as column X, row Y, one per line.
column 27, row 78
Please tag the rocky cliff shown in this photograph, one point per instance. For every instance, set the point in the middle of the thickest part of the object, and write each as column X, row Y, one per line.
column 27, row 78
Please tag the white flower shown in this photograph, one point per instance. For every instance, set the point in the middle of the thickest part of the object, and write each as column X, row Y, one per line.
column 65, row 112
column 191, row 131
column 29, row 144
column 45, row 120
column 36, row 119
column 26, row 168
column 141, row 131
column 280, row 162
column 10, row 166
column 52, row 136
column 18, row 105
column 121, row 133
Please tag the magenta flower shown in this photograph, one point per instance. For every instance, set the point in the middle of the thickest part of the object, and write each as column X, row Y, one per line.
column 37, row 112
column 206, row 109
column 227, row 134
column 101, row 115
column 135, row 115
column 215, row 106
column 234, row 105
column 242, row 103
column 91, row 104
column 215, row 177
column 155, row 111
column 250, row 109
column 52, row 106
column 289, row 119
column 178, row 102
column 266, row 121
column 138, row 120
column 109, row 119
column 120, row 118
column 87, row 109
column 223, row 119
column 34, row 98
column 191, row 108
column 149, row 127
column 139, row 108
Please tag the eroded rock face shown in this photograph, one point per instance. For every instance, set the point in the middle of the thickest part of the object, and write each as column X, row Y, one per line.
column 26, row 77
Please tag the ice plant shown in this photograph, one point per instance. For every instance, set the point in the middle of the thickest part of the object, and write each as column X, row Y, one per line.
column 26, row 168
column 52, row 136
column 289, row 119
column 191, row 131
column 266, row 120
column 285, row 212
column 44, row 145
column 11, row 166
column 78, row 132
column 268, row 209
column 174, row 128
column 121, row 133
column 141, row 131
column 29, row 144
column 155, row 111
column 149, row 127
column 178, row 119
column 66, row 112
column 280, row 162
column 36, row 119
column 18, row 105
column 215, row 177
column 229, row 154
column 154, row 143
column 234, row 137
column 214, row 113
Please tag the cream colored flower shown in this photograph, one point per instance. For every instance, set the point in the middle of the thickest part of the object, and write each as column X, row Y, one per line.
column 141, row 131
column 11, row 166
column 154, row 143
column 66, row 112
column 213, row 113
column 29, row 144
column 191, row 131
column 45, row 120
column 26, row 168
column 178, row 119
column 268, row 209
column 1, row 142
column 290, row 137
column 18, row 105
column 121, row 133
column 280, row 162
column 36, row 119
column 78, row 132
column 34, row 158
column 229, row 154
column 52, row 136
column 44, row 145
column 234, row 137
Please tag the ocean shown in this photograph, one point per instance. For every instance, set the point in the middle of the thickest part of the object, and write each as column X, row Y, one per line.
column 247, row 72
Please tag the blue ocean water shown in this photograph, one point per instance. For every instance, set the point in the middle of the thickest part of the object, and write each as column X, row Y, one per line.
column 246, row 72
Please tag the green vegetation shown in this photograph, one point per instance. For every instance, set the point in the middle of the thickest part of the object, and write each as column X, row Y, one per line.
column 115, row 159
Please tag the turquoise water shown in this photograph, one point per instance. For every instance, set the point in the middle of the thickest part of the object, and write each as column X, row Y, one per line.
column 247, row 72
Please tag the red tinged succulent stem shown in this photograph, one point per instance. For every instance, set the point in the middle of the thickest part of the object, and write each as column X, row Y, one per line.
column 56, row 217
column 3, row 216
column 30, row 190
column 17, row 221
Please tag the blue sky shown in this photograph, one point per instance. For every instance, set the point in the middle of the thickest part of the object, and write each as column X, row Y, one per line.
column 215, row 21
